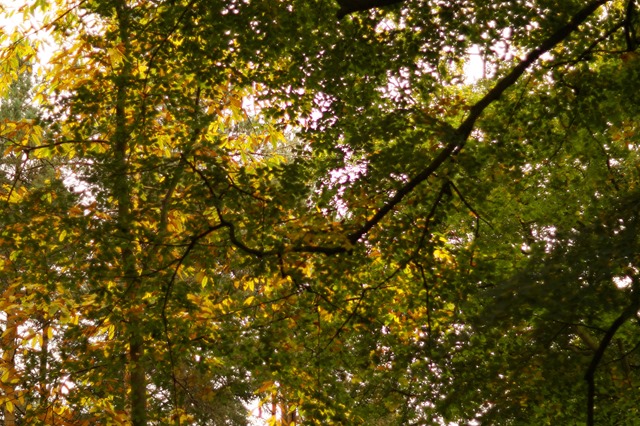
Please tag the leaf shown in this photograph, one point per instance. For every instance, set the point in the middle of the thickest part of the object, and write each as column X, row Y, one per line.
column 266, row 386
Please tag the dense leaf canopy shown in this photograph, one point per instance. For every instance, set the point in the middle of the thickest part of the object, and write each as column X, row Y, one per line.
column 322, row 209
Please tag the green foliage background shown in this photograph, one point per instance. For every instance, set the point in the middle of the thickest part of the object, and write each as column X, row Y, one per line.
column 206, row 204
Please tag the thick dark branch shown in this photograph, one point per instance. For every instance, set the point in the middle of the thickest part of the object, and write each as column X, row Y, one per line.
column 589, row 376
column 405, row 190
column 239, row 244
column 350, row 6
column 510, row 79
column 458, row 138
column 328, row 250
column 629, row 30
column 455, row 138
column 250, row 250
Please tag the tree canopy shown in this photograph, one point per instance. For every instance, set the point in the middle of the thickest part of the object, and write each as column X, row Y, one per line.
column 318, row 208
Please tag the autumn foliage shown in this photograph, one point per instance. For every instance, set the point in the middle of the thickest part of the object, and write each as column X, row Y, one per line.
column 217, row 207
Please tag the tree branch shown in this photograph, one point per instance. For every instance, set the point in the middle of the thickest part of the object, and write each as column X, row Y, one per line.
column 458, row 138
column 350, row 6
column 455, row 138
column 628, row 313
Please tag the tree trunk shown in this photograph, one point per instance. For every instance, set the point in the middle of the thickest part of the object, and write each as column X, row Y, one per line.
column 122, row 193
column 8, row 358
column 42, row 373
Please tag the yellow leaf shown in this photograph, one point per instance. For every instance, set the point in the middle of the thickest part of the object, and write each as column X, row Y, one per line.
column 265, row 387
column 442, row 255
column 63, row 235
column 115, row 56
column 9, row 406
